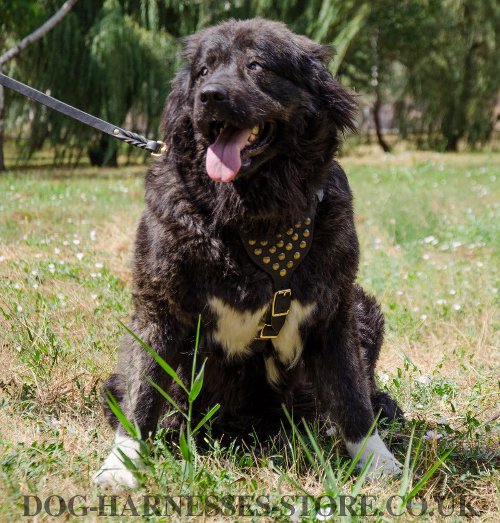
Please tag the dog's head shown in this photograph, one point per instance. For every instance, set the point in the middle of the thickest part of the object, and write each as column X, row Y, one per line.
column 255, row 95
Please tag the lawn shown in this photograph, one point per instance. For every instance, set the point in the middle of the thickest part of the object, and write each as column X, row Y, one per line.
column 428, row 225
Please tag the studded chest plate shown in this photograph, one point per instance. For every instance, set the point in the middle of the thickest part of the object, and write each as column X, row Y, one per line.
column 279, row 257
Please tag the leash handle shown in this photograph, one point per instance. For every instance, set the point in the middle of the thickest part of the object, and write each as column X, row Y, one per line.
column 155, row 147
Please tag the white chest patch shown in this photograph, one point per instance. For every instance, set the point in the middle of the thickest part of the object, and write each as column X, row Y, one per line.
column 235, row 331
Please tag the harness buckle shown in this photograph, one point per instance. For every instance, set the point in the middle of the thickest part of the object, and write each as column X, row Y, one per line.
column 282, row 292
column 262, row 336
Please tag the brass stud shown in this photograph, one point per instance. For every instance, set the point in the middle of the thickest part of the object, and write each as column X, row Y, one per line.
column 307, row 233
column 266, row 259
column 272, row 249
column 251, row 242
column 296, row 255
column 280, row 244
column 281, row 256
column 295, row 237
column 264, row 243
column 288, row 246
column 279, row 235
column 302, row 245
column 283, row 272
column 290, row 231
column 298, row 225
column 257, row 252
column 289, row 264
column 276, row 266
column 307, row 221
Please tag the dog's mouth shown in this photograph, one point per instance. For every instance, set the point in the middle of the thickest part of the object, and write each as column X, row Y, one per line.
column 234, row 147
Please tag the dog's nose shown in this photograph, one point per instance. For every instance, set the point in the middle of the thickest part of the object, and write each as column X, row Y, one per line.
column 213, row 94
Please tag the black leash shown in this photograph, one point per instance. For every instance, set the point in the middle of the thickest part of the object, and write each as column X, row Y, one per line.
column 155, row 147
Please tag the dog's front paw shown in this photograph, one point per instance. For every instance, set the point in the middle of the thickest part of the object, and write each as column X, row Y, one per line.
column 114, row 473
column 381, row 465
column 116, row 478
column 383, row 461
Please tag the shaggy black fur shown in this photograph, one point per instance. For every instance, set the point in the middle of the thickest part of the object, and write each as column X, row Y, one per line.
column 188, row 247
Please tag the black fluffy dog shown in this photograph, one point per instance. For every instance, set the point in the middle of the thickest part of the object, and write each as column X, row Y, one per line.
column 252, row 126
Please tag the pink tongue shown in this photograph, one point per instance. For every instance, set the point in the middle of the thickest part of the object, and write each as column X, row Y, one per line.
column 223, row 156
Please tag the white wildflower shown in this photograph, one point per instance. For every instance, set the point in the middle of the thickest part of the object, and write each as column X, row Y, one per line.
column 383, row 377
column 431, row 435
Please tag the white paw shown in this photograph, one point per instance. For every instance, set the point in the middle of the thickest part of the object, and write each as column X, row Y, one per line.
column 114, row 473
column 383, row 461
column 384, row 465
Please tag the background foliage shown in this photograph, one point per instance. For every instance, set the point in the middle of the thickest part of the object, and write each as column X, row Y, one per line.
column 435, row 61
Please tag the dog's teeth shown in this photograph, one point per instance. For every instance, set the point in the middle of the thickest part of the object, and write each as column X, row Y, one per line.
column 251, row 138
column 255, row 130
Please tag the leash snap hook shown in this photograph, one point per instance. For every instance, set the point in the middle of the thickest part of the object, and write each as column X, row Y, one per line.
column 163, row 148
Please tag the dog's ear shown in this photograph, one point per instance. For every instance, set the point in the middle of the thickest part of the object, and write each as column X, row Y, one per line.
column 336, row 100
column 191, row 44
column 176, row 115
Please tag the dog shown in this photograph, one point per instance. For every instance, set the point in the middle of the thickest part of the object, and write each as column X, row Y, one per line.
column 249, row 223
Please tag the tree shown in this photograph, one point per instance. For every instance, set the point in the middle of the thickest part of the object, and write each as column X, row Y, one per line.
column 17, row 49
column 106, row 62
column 436, row 61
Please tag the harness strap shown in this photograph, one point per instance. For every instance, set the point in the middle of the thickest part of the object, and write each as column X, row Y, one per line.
column 155, row 147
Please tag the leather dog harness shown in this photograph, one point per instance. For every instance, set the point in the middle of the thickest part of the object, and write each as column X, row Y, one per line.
column 279, row 256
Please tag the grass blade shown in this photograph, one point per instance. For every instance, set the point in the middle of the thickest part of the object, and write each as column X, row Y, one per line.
column 165, row 395
column 161, row 362
column 117, row 411
column 206, row 417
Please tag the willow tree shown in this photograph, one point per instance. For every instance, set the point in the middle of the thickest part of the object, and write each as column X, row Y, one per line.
column 105, row 62
column 457, row 82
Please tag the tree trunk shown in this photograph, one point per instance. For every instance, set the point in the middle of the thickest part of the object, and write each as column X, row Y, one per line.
column 378, row 127
column 378, row 102
column 2, row 112
column 14, row 51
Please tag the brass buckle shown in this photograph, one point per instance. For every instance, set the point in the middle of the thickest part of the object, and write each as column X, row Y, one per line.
column 261, row 334
column 283, row 292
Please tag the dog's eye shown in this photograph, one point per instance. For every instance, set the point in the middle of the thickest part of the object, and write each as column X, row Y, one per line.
column 254, row 66
column 203, row 71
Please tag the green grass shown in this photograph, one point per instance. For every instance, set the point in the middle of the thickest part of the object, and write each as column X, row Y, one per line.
column 428, row 226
